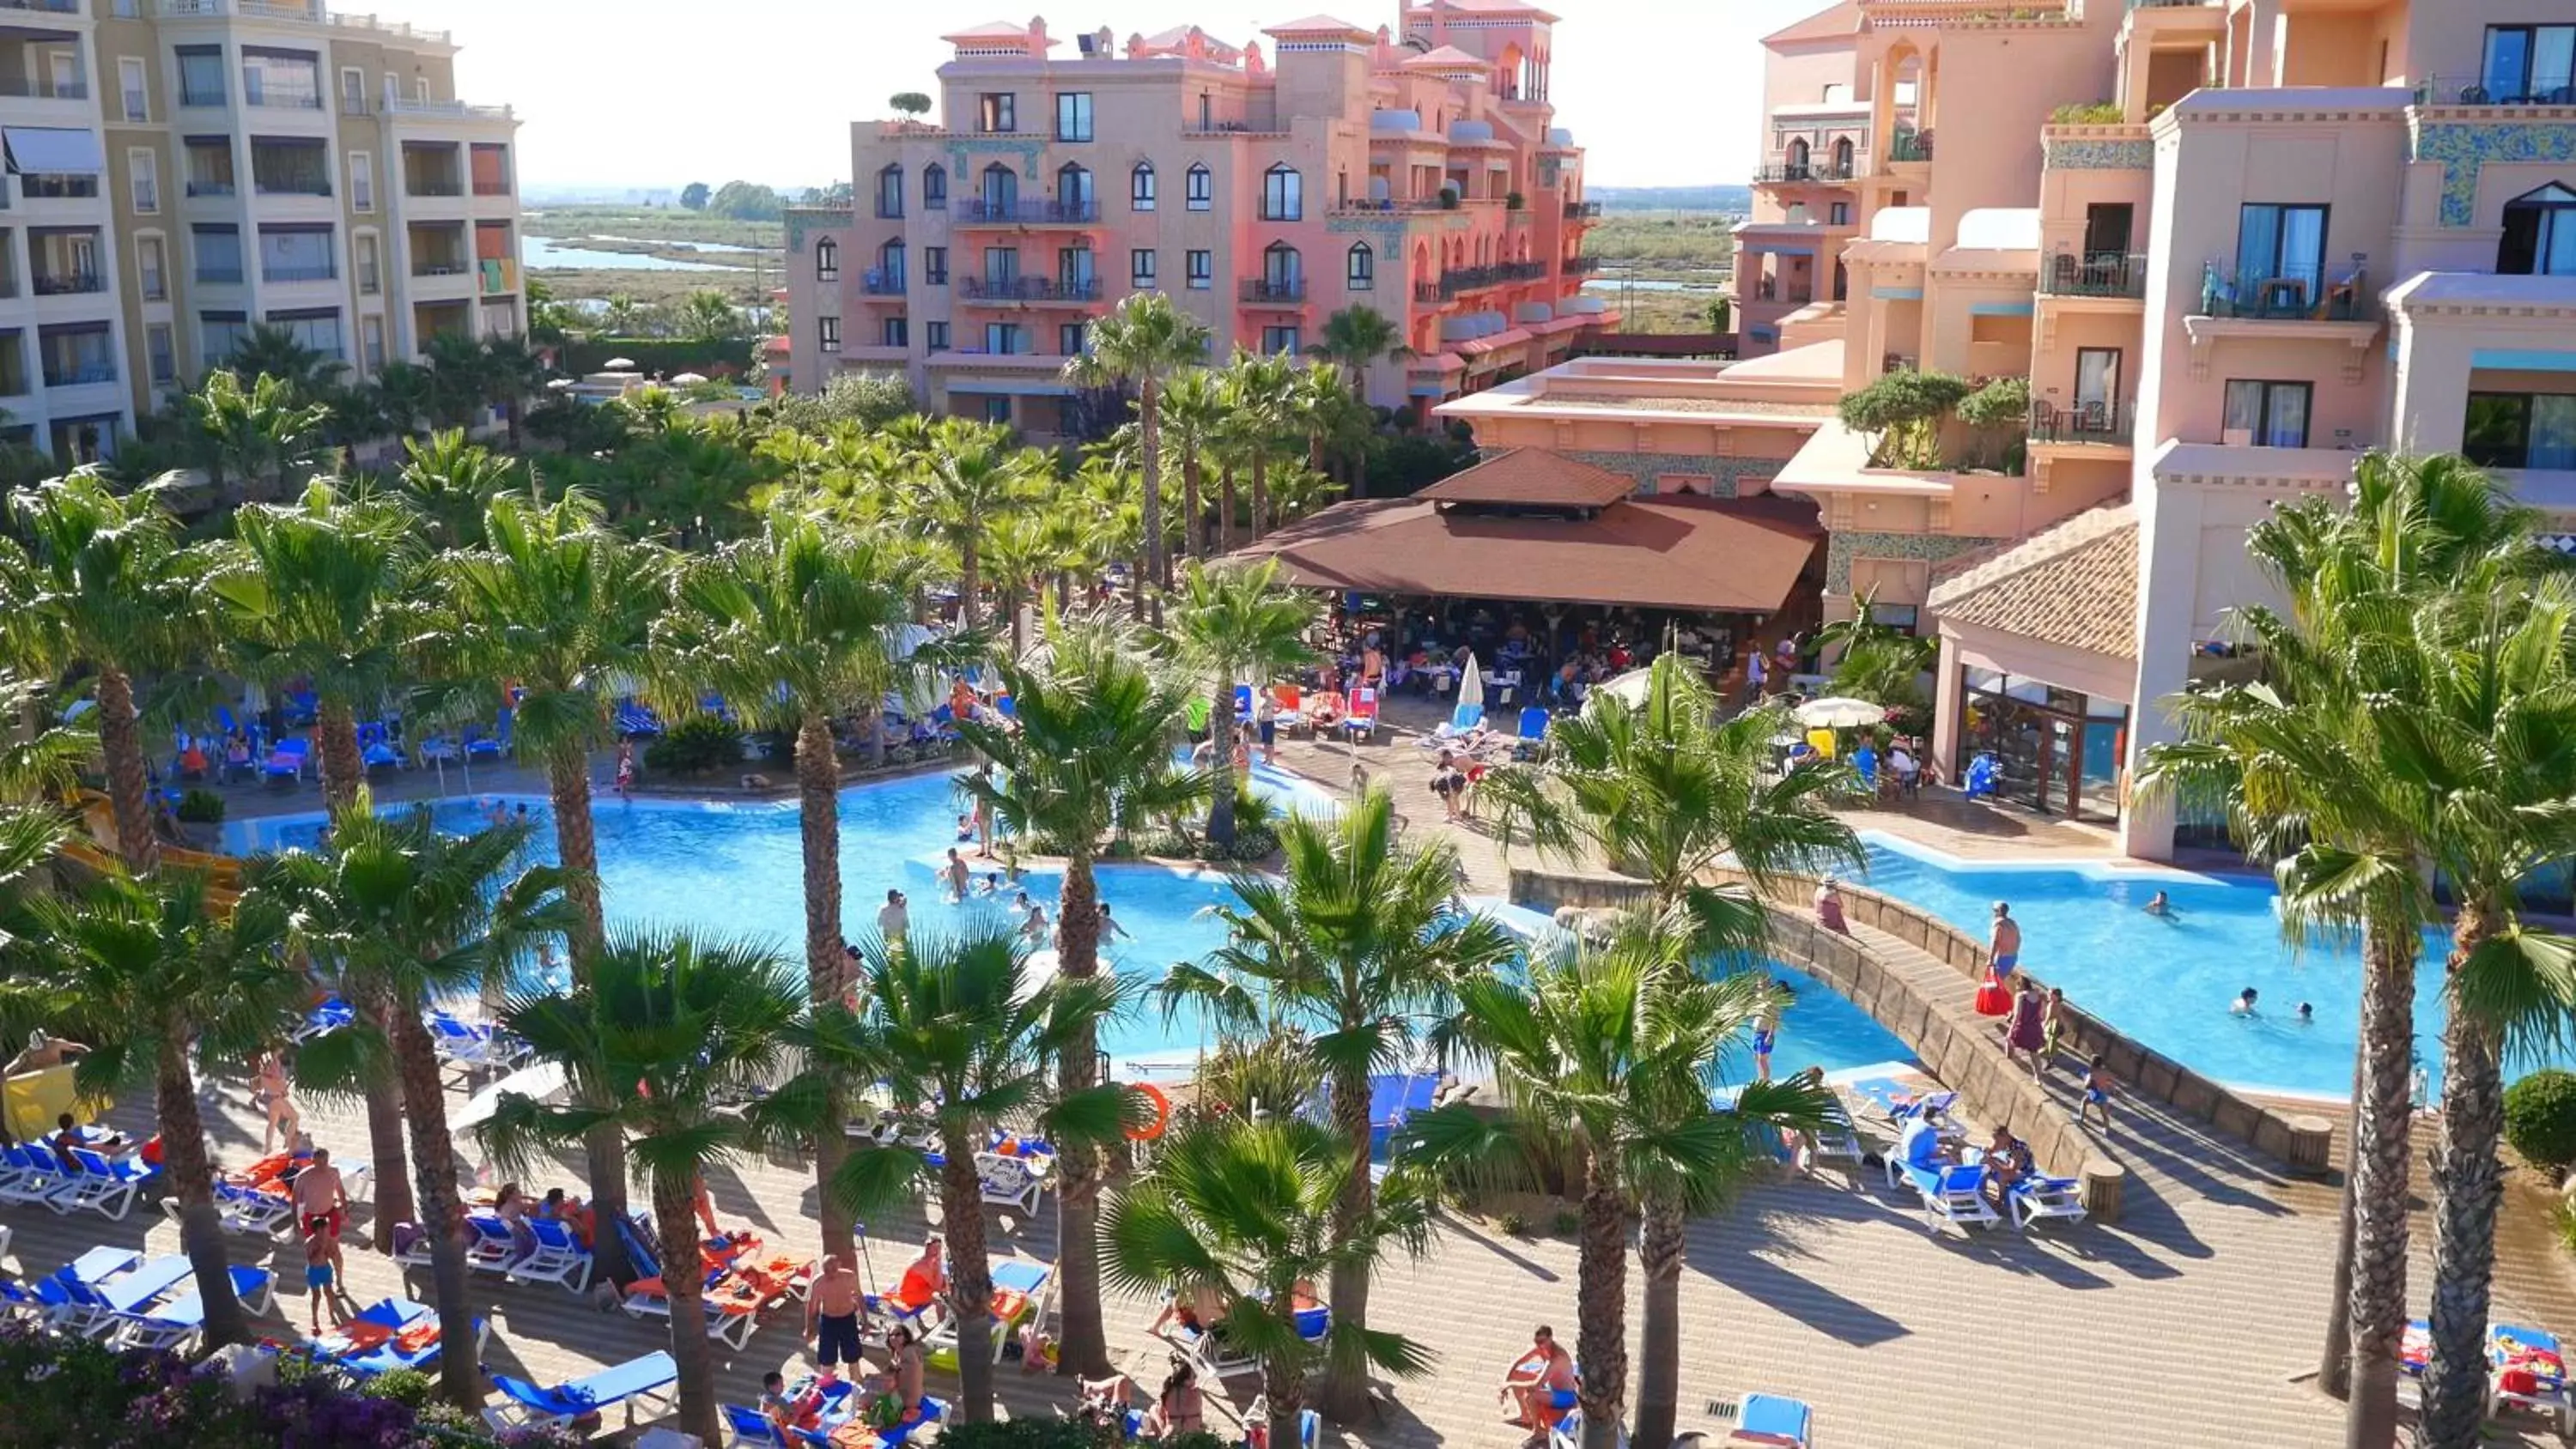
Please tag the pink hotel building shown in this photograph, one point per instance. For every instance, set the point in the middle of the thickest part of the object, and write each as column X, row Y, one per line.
column 1412, row 170
column 2260, row 237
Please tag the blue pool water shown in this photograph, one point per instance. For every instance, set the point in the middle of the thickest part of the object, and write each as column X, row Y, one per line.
column 2167, row 981
column 1819, row 1028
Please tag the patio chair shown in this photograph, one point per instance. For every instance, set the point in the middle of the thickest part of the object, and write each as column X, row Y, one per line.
column 2044, row 1199
column 76, row 1307
column 1954, row 1194
column 471, row 1044
column 1243, row 704
column 376, row 747
column 1023, row 1292
column 1836, row 1138
column 415, row 1344
column 331, row 1015
column 2525, row 1370
column 177, row 1322
column 36, row 1176
column 1292, row 707
column 1363, row 716
column 558, row 1257
column 437, row 749
column 491, row 1246
column 1010, row 1180
column 105, row 1186
column 134, row 1289
column 244, row 1210
column 1210, row 1355
column 634, row 719
column 1984, row 777
column 643, row 1380
column 287, row 760
column 1774, row 1421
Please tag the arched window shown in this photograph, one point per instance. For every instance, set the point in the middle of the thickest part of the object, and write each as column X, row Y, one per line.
column 2539, row 234
column 1282, row 270
column 934, row 187
column 890, row 266
column 890, row 191
column 1001, row 192
column 1140, row 187
column 1073, row 197
column 1283, row 194
column 1796, row 157
column 1843, row 156
column 1200, row 188
column 1360, row 269
column 827, row 260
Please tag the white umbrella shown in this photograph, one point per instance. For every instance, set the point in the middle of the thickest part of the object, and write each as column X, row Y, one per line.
column 1629, row 688
column 542, row 1081
column 686, row 378
column 559, row 384
column 618, row 364
column 1839, row 712
column 1471, row 697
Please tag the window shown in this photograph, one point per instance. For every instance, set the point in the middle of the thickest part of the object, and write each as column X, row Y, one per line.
column 420, row 88
column 934, row 335
column 1199, row 189
column 152, row 268
column 2530, row 63
column 219, row 256
column 1280, row 339
column 2539, row 234
column 131, row 88
column 2280, row 244
column 1283, row 272
column 1140, row 187
column 1001, row 192
column 1202, row 270
column 1004, row 338
column 220, row 333
column 1283, row 194
column 1073, row 196
column 201, row 75
column 894, row 332
column 283, row 166
column 296, row 254
column 2521, row 430
column 317, row 328
column 2268, row 414
column 1360, row 270
column 370, row 280
column 934, row 187
column 997, row 409
column 161, row 348
column 934, row 266
column 210, row 165
column 488, row 166
column 362, row 181
column 285, row 79
column 1838, row 213
column 371, row 339
column 143, row 175
column 1140, row 269
column 1073, row 116
column 999, row 111
column 1068, row 339
column 827, row 260
column 827, row 333
column 353, row 91
column 1075, row 271
column 76, row 355
column 890, row 192
column 890, row 267
column 1001, row 267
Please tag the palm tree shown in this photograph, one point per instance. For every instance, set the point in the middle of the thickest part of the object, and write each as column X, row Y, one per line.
column 407, row 913
column 666, row 1029
column 1234, row 623
column 1250, row 1213
column 965, row 1025
column 1355, row 338
column 1258, row 388
column 2298, row 763
column 1144, row 340
column 1336, row 421
column 1357, row 949
column 165, row 970
column 1659, row 791
column 1021, row 555
column 564, row 607
column 406, row 394
column 513, row 372
column 459, row 372
column 274, row 352
column 256, row 432
column 1091, row 753
column 94, row 579
column 970, row 477
column 451, row 481
column 1606, row 1061
column 793, row 627
column 1193, row 415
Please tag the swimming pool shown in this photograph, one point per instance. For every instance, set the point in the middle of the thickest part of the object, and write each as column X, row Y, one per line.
column 2167, row 981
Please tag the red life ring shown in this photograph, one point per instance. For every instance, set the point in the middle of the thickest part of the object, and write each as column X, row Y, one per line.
column 1162, row 1113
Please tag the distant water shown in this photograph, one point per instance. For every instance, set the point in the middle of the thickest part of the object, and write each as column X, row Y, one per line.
column 543, row 252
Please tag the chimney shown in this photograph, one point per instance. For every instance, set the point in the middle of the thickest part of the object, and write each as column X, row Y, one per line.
column 1037, row 36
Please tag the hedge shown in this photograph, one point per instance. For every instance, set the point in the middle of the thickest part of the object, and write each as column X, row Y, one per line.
column 665, row 355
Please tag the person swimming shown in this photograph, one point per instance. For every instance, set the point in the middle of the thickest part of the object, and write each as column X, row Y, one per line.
column 2244, row 1003
column 2307, row 1014
column 2162, row 905
column 990, row 885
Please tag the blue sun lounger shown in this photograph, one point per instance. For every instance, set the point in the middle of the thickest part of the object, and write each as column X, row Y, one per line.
column 530, row 1406
column 130, row 1291
column 1774, row 1421
column 1953, row 1194
column 396, row 1315
column 174, row 1323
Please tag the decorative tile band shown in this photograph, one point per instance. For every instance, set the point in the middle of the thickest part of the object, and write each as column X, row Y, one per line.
column 2073, row 155
column 1843, row 547
column 1717, row 477
column 2464, row 146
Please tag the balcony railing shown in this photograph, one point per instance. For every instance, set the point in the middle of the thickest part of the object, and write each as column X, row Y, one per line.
column 219, row 276
column 1808, row 171
column 1910, row 146
column 56, row 7
column 68, row 284
column 78, row 373
column 1582, row 266
column 2101, row 420
column 1582, row 210
column 285, row 98
column 2095, row 274
column 1500, row 274
column 1895, row 362
column 433, row 186
column 491, row 188
column 1029, row 289
column 1274, row 291
column 459, row 110
column 41, row 89
column 2475, row 90
column 308, row 272
column 882, row 283
column 291, row 188
column 440, row 268
column 2300, row 294
column 1027, row 213
column 210, row 188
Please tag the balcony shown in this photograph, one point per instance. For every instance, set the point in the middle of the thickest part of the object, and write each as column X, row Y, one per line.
column 66, row 284
column 322, row 271
column 440, row 267
column 2294, row 296
column 483, row 187
column 1274, row 291
column 1909, row 146
column 444, row 110
column 1581, row 266
column 51, row 7
column 79, row 371
column 283, row 98
column 1460, row 280
column 210, row 188
column 1582, row 210
column 218, row 275
column 292, row 187
column 43, row 88
column 1028, row 289
column 2102, row 423
column 2473, row 90
column 500, row 276
column 2095, row 274
column 882, row 283
column 976, row 210
column 432, row 186
column 1788, row 174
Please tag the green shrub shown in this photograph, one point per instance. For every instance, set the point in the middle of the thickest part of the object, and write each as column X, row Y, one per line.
column 201, row 807
column 1901, row 412
column 1513, row 202
column 695, row 746
column 666, row 355
column 1257, row 842
column 2095, row 113
column 403, row 1386
column 1568, row 1222
column 2540, row 1118
column 1513, row 1225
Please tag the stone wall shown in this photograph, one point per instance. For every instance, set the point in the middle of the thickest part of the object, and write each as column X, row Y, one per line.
column 1962, row 1049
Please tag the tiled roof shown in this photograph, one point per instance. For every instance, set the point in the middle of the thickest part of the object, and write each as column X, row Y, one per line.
column 1318, row 25
column 990, row 30
column 1447, row 57
column 1532, row 475
column 2074, row 584
column 1825, row 24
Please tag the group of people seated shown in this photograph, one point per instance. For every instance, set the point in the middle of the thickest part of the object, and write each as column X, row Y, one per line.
column 2006, row 1158
column 515, row 1208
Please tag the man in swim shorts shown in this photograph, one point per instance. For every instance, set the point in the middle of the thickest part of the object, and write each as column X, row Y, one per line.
column 1540, row 1385
column 2003, row 947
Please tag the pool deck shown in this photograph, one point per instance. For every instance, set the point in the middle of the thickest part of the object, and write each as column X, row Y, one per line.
column 2193, row 1320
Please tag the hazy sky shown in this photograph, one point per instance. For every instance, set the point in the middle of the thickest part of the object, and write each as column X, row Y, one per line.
column 657, row 93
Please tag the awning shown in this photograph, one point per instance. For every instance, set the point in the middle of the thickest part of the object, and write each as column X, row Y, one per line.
column 54, row 151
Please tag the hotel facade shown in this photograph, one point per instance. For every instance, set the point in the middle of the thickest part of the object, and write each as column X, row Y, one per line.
column 1415, row 170
column 2230, row 243
column 181, row 172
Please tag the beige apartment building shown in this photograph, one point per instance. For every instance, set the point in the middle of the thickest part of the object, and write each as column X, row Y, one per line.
column 183, row 171
column 1413, row 169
